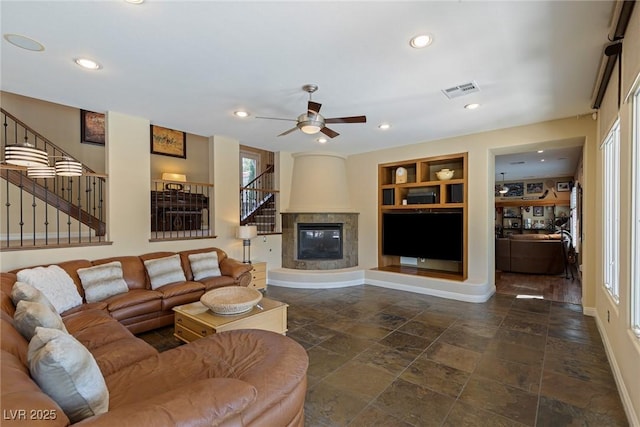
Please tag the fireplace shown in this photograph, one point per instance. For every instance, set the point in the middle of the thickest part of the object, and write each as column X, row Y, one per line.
column 319, row 241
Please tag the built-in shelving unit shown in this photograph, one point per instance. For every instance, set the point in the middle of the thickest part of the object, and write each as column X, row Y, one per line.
column 422, row 191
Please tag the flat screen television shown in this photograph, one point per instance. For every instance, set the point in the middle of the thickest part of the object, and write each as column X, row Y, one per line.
column 432, row 235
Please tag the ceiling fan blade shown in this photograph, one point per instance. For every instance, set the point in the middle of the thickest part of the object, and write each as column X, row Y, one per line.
column 314, row 106
column 329, row 132
column 276, row 118
column 353, row 119
column 287, row 132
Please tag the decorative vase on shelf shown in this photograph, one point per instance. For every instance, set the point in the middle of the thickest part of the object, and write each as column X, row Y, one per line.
column 444, row 174
column 401, row 175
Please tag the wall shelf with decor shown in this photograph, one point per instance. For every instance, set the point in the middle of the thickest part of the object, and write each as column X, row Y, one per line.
column 423, row 216
column 529, row 217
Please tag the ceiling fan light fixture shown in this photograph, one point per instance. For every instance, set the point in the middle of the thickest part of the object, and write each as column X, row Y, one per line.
column 310, row 128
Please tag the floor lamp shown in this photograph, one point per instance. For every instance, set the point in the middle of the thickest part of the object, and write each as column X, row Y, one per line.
column 246, row 233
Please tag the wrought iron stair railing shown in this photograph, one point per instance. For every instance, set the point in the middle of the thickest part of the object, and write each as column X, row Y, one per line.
column 45, row 212
column 258, row 203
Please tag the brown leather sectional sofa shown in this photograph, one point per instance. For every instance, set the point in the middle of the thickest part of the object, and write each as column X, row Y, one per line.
column 243, row 377
column 530, row 253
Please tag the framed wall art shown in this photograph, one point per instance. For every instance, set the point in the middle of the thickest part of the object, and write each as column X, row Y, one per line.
column 538, row 211
column 563, row 186
column 92, row 128
column 168, row 142
column 516, row 189
column 534, row 187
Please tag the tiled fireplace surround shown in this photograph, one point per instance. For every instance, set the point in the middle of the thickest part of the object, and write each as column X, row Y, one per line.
column 349, row 223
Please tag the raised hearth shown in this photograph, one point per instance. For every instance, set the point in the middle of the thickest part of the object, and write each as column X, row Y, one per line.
column 326, row 225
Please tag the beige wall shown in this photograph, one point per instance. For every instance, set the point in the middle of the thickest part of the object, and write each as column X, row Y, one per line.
column 362, row 170
column 614, row 319
column 195, row 166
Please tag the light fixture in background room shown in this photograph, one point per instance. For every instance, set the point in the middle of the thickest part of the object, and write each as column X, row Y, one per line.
column 503, row 190
column 166, row 176
column 246, row 233
column 176, row 179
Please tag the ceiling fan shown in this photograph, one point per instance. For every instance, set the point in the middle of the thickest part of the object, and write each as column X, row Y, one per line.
column 312, row 121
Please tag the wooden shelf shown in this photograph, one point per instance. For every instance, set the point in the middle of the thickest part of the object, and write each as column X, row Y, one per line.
column 429, row 194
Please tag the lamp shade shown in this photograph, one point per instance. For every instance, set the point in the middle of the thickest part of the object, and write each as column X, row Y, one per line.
column 25, row 155
column 166, row 176
column 247, row 232
column 68, row 167
column 41, row 172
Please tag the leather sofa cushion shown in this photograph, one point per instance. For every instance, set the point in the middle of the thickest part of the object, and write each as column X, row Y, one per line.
column 207, row 402
column 217, row 282
column 85, row 319
column 20, row 392
column 119, row 354
column 132, row 298
column 179, row 288
column 12, row 341
column 149, row 307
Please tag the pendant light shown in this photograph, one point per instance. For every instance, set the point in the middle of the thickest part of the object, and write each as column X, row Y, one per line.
column 25, row 155
column 504, row 189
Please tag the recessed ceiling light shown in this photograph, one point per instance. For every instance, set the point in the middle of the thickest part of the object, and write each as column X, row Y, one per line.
column 134, row 1
column 420, row 41
column 322, row 140
column 241, row 113
column 471, row 106
column 542, row 160
column 540, row 151
column 24, row 42
column 384, row 126
column 89, row 64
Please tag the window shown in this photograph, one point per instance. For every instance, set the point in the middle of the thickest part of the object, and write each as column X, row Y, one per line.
column 249, row 167
column 611, row 214
column 635, row 241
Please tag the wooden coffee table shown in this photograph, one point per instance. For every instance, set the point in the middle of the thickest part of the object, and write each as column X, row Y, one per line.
column 193, row 321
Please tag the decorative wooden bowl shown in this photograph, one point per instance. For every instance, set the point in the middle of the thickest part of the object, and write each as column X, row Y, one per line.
column 444, row 174
column 231, row 299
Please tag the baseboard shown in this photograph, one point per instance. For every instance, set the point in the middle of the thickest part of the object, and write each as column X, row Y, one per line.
column 632, row 417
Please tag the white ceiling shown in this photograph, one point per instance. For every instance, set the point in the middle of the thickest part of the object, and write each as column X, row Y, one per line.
column 189, row 65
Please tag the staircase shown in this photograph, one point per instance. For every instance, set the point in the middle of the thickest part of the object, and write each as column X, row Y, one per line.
column 258, row 203
column 41, row 212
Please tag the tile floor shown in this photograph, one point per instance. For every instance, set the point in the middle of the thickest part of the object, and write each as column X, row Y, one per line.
column 381, row 357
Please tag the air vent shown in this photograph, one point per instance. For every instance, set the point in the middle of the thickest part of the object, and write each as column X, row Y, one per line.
column 461, row 90
column 517, row 163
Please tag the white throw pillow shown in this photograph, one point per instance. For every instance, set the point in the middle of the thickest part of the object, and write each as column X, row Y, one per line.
column 163, row 271
column 102, row 281
column 66, row 371
column 204, row 264
column 55, row 284
column 29, row 315
column 25, row 292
